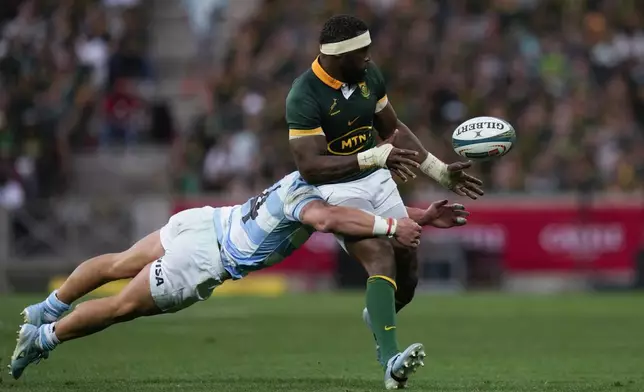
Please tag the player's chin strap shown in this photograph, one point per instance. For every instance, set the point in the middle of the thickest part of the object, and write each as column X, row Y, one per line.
column 348, row 45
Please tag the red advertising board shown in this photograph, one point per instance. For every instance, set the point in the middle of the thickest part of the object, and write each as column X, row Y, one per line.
column 537, row 237
column 555, row 238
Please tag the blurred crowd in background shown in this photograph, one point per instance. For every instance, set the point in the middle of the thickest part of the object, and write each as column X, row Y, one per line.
column 568, row 74
column 72, row 76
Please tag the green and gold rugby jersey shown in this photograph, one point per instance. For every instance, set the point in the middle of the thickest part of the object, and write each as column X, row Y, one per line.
column 319, row 105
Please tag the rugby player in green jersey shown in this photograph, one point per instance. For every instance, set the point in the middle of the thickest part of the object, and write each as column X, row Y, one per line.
column 335, row 111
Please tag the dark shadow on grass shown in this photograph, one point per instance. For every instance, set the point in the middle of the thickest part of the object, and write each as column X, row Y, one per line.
column 201, row 383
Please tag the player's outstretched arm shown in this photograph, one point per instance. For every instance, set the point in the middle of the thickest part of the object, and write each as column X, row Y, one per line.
column 440, row 214
column 450, row 176
column 353, row 222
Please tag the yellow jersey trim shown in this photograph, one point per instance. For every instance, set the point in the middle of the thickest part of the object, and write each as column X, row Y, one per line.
column 296, row 133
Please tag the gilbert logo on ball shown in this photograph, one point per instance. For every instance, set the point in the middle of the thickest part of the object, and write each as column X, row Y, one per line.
column 482, row 138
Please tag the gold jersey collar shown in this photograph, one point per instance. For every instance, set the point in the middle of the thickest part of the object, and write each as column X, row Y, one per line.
column 324, row 76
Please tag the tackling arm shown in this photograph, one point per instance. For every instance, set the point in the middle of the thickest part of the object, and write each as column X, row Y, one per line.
column 343, row 220
column 418, row 216
column 355, row 223
column 440, row 214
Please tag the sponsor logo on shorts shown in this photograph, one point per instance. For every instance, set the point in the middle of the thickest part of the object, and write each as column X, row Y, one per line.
column 158, row 273
column 351, row 142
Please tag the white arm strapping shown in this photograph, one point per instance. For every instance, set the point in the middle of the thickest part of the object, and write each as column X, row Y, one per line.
column 436, row 169
column 374, row 157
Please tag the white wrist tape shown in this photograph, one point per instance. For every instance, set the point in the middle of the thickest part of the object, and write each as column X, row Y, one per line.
column 384, row 226
column 435, row 168
column 375, row 157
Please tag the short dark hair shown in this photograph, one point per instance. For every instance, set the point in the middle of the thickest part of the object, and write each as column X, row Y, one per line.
column 341, row 27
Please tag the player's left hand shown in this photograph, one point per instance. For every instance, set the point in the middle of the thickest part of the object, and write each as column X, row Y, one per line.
column 443, row 215
column 462, row 183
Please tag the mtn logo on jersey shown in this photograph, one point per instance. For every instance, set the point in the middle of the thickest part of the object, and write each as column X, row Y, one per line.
column 351, row 142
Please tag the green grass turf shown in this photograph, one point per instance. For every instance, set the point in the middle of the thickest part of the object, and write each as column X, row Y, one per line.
column 482, row 342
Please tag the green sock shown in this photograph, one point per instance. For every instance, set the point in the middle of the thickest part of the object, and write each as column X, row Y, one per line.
column 382, row 312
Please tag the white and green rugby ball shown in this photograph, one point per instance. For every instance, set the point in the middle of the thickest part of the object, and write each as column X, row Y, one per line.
column 481, row 138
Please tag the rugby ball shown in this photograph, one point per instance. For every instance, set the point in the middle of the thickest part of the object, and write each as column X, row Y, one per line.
column 482, row 138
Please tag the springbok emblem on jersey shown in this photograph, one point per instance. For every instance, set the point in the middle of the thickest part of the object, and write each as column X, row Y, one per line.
column 364, row 90
column 333, row 106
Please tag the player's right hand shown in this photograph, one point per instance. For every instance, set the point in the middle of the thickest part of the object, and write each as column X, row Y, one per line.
column 408, row 232
column 399, row 160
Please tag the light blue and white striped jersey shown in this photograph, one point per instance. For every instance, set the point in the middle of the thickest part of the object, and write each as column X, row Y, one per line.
column 265, row 229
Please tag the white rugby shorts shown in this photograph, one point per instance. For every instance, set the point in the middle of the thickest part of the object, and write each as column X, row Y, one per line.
column 376, row 194
column 191, row 267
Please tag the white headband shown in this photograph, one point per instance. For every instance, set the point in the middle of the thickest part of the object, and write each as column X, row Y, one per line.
column 348, row 45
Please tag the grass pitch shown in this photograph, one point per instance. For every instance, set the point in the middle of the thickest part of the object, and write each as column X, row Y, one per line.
column 319, row 343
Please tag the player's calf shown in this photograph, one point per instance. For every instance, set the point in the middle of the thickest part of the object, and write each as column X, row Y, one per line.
column 406, row 291
column 99, row 270
column 134, row 301
column 92, row 274
column 406, row 276
column 377, row 256
column 88, row 276
column 35, row 343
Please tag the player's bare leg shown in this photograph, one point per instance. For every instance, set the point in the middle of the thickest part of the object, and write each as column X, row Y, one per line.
column 378, row 257
column 92, row 274
column 99, row 270
column 95, row 315
column 134, row 301
column 406, row 276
